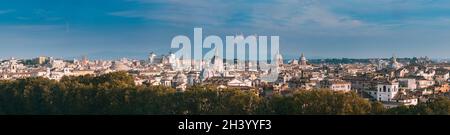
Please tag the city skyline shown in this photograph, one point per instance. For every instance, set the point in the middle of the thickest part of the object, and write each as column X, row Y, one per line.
column 132, row 28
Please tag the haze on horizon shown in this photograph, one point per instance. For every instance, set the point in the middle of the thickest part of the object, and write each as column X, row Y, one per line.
column 133, row 28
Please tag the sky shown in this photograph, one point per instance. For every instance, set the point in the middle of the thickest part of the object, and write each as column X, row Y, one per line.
column 133, row 28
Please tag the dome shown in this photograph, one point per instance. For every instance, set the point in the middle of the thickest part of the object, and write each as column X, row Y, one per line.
column 302, row 60
column 394, row 63
column 119, row 66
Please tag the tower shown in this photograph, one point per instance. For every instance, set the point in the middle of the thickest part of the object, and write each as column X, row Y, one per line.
column 84, row 60
column 387, row 90
column 151, row 58
column 302, row 60
column 279, row 59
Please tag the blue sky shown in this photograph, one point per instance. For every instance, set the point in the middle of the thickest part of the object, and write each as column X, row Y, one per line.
column 132, row 28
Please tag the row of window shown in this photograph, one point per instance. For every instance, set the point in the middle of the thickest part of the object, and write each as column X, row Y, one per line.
column 348, row 87
column 384, row 89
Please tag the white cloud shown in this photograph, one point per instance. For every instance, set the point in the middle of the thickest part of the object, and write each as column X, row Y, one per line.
column 268, row 14
column 301, row 15
column 180, row 12
column 327, row 17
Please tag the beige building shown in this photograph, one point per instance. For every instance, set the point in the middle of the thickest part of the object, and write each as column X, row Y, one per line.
column 336, row 85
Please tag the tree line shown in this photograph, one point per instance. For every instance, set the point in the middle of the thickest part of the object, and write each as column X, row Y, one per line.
column 116, row 94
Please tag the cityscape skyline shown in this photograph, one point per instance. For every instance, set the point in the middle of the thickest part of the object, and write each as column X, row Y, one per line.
column 145, row 55
column 132, row 28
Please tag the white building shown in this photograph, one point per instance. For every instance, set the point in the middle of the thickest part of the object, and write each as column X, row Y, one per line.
column 401, row 98
column 58, row 64
column 391, row 96
column 302, row 60
column 238, row 83
column 429, row 75
column 387, row 90
column 424, row 83
column 336, row 85
column 152, row 58
column 394, row 64
column 279, row 59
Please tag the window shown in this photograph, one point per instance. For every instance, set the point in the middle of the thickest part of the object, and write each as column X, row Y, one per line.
column 389, row 89
column 384, row 88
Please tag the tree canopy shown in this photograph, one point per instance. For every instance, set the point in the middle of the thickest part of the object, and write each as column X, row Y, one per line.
column 116, row 94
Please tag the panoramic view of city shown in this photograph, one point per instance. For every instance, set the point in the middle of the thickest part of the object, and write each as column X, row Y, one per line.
column 213, row 66
column 387, row 83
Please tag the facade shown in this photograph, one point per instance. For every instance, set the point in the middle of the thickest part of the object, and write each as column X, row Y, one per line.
column 424, row 83
column 442, row 76
column 40, row 60
column 401, row 98
column 394, row 64
column 302, row 60
column 387, row 90
column 443, row 88
column 407, row 83
column 336, row 85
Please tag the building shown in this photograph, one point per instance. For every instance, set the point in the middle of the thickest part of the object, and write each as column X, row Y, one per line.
column 401, row 98
column 217, row 80
column 82, row 72
column 443, row 88
column 180, row 81
column 386, row 90
column 119, row 66
column 427, row 74
column 40, row 60
column 302, row 60
column 58, row 64
column 407, row 83
column 279, row 59
column 236, row 82
column 84, row 61
column 361, row 83
column 442, row 75
column 336, row 85
column 394, row 64
column 424, row 83
column 193, row 78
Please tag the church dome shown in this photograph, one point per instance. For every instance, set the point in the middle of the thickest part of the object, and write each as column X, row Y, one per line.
column 119, row 66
